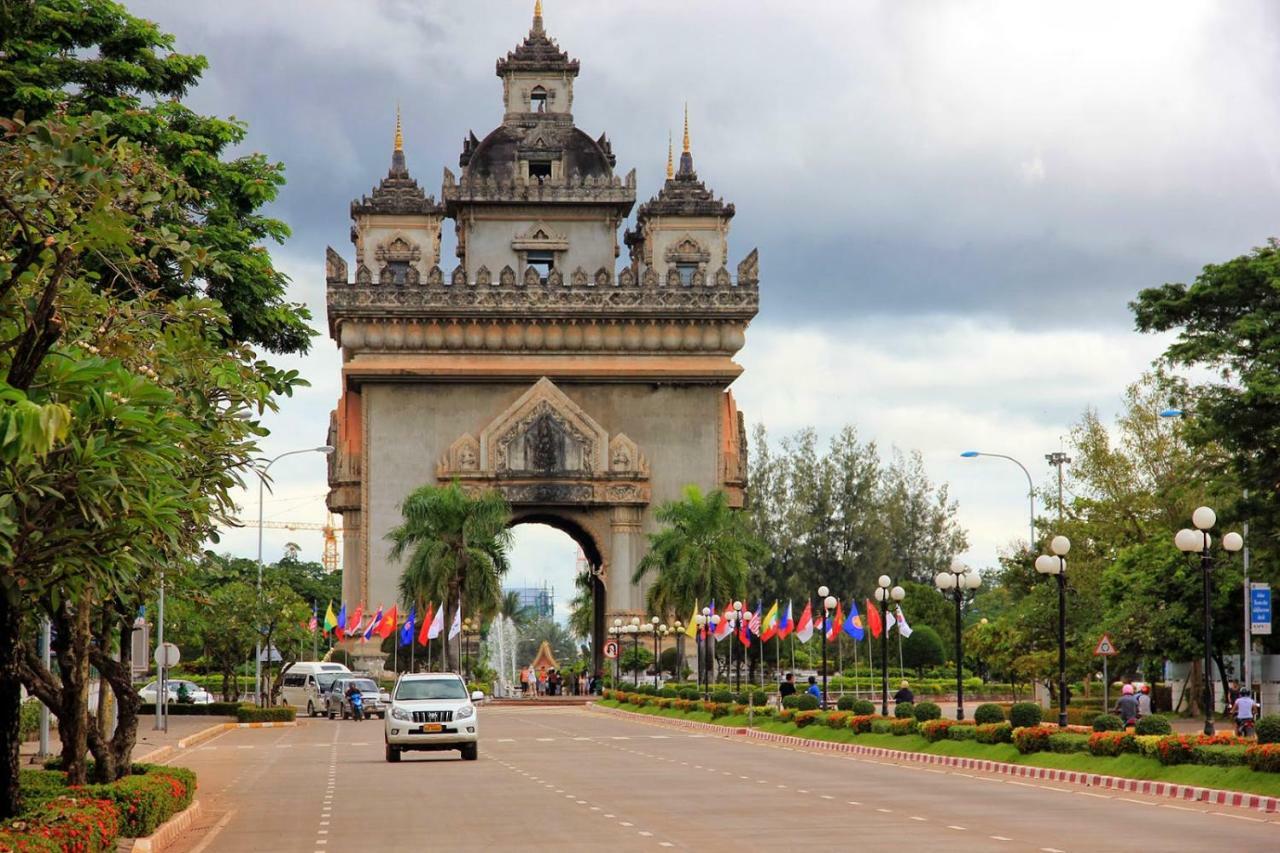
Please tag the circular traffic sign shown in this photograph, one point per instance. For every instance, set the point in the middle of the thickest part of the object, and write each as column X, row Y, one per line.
column 611, row 648
column 167, row 655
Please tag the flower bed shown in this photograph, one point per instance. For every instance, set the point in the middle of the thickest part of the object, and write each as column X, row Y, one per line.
column 904, row 726
column 1111, row 743
column 993, row 733
column 862, row 723
column 148, row 798
column 1264, row 757
column 1030, row 739
column 76, row 823
column 806, row 718
column 1180, row 749
column 936, row 730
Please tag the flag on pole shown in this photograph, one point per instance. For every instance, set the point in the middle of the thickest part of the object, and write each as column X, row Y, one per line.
column 340, row 622
column 833, row 630
column 890, row 624
column 406, row 633
column 456, row 628
column 374, row 624
column 853, row 625
column 424, row 636
column 757, row 618
column 873, row 619
column 315, row 620
column 770, row 623
column 691, row 630
column 804, row 629
column 353, row 625
column 903, row 628
column 725, row 628
column 389, row 623
column 330, row 621
column 786, row 624
column 437, row 624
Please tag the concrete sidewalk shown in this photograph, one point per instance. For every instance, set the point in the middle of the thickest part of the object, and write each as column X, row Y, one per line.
column 148, row 740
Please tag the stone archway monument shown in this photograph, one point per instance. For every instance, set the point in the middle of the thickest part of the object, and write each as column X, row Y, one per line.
column 587, row 394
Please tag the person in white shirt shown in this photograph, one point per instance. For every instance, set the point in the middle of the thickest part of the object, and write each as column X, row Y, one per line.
column 1244, row 709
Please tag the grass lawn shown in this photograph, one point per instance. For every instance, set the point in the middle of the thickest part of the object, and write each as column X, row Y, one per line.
column 1128, row 766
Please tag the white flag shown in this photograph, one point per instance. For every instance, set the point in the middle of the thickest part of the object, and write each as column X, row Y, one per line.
column 456, row 628
column 903, row 627
column 437, row 624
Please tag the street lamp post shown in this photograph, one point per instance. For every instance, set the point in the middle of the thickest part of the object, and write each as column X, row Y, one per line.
column 261, row 471
column 1031, row 489
column 736, row 624
column 469, row 627
column 634, row 630
column 1056, row 564
column 713, row 623
column 828, row 604
column 1189, row 542
column 953, row 583
column 654, row 625
column 678, row 628
column 886, row 590
column 616, row 630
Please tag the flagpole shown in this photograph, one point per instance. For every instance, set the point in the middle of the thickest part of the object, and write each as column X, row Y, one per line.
column 902, row 672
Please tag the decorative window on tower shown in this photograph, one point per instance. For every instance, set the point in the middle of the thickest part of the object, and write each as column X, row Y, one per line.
column 543, row 262
column 686, row 272
column 539, row 170
column 538, row 100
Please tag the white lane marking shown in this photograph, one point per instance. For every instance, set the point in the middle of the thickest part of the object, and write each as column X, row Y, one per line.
column 608, row 815
column 544, row 739
column 1179, row 808
column 917, row 817
column 1139, row 802
column 886, row 811
column 625, row 823
column 665, row 844
column 1239, row 817
column 1091, row 794
column 999, row 838
column 827, row 797
column 646, row 834
column 957, row 828
column 243, row 746
column 506, row 740
column 621, row 737
column 1051, row 850
column 659, row 737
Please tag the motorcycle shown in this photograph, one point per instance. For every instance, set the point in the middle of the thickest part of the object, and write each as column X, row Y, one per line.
column 357, row 706
column 1244, row 728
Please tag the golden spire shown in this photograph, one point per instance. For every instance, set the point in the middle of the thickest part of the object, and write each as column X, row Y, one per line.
column 399, row 134
column 537, row 8
column 686, row 127
column 671, row 167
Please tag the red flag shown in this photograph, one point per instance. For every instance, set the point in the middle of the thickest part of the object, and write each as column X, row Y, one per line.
column 388, row 623
column 873, row 619
column 353, row 624
column 834, row 630
column 804, row 628
column 744, row 633
column 426, row 624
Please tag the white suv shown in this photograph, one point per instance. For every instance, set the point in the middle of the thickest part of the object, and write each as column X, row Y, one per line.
column 431, row 710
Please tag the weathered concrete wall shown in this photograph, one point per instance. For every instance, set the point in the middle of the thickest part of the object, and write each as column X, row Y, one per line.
column 412, row 425
column 591, row 233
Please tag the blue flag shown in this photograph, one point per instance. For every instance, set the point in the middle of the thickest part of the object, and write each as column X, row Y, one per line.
column 406, row 630
column 342, row 621
column 853, row 625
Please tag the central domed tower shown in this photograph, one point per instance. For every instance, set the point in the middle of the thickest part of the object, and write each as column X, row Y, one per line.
column 537, row 193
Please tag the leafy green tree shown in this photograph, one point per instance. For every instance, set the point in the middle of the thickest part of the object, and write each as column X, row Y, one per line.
column 635, row 661
column 78, row 57
column 582, row 607
column 519, row 614
column 454, row 547
column 923, row 649
column 702, row 552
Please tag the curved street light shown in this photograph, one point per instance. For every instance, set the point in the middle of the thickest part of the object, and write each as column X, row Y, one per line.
column 828, row 602
column 1056, row 564
column 1198, row 540
column 953, row 583
column 1031, row 489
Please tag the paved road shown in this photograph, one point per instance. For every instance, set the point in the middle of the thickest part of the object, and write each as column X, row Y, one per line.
column 567, row 779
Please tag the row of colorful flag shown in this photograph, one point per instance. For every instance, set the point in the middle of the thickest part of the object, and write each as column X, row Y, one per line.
column 781, row 623
column 383, row 623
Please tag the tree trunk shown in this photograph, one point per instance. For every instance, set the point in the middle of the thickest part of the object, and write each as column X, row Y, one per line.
column 10, row 705
column 117, row 749
column 73, row 716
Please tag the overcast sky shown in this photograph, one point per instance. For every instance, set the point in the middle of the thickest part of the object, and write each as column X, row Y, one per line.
column 953, row 202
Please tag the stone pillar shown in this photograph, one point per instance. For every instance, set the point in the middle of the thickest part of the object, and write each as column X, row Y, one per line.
column 352, row 557
column 625, row 598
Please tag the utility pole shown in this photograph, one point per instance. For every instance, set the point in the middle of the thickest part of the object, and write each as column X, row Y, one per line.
column 1058, row 459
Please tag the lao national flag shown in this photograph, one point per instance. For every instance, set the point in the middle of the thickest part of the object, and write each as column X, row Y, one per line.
column 786, row 624
column 373, row 625
column 389, row 623
column 340, row 625
column 873, row 620
column 406, row 633
column 804, row 629
column 744, row 631
column 853, row 625
column 833, row 630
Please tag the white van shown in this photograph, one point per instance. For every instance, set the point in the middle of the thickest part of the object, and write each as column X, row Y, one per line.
column 307, row 682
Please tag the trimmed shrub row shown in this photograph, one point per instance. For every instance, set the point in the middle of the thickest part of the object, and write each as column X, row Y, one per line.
column 213, row 709
column 277, row 714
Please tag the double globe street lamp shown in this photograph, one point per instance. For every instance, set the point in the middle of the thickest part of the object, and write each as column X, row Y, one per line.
column 1198, row 540
column 954, row 582
column 615, row 631
column 654, row 625
column 1056, row 564
column 886, row 590
column 828, row 604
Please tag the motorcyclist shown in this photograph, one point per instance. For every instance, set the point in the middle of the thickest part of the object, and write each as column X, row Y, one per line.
column 356, row 699
column 1244, row 710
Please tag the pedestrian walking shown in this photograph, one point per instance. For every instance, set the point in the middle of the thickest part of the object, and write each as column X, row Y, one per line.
column 904, row 696
column 814, row 690
column 788, row 686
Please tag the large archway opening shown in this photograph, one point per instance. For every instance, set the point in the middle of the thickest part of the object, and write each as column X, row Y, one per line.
column 556, row 568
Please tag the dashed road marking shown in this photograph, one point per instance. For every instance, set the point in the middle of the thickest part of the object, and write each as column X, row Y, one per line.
column 957, row 828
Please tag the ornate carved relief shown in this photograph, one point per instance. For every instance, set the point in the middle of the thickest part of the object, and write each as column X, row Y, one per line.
column 626, row 278
column 464, row 454
column 749, row 269
column 483, row 277
column 507, row 277
column 459, row 276
column 722, row 277
column 435, row 276
column 335, row 268
column 579, row 278
column 531, row 277
column 650, row 277
column 397, row 250
column 555, row 279
column 603, row 277
column 625, row 457
column 540, row 237
column 698, row 279
column 363, row 275
column 673, row 278
column 687, row 251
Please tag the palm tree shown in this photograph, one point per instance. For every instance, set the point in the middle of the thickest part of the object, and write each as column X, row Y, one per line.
column 519, row 614
column 582, row 607
column 702, row 553
column 456, row 546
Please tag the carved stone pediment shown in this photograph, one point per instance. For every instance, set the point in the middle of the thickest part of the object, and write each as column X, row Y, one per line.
column 507, row 277
column 335, row 268
column 540, row 237
column 687, row 251
column 545, row 449
column 483, row 277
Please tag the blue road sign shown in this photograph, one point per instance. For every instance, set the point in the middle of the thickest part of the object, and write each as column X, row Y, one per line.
column 1259, row 608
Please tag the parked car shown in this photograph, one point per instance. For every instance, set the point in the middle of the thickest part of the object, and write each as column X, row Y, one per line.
column 195, row 694
column 338, row 705
column 432, row 711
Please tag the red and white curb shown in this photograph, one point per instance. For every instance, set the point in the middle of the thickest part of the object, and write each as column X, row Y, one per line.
column 1189, row 793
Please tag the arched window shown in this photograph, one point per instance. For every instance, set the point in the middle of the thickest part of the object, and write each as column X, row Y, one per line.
column 538, row 100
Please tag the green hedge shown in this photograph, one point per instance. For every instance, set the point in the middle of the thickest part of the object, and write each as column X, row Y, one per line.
column 1024, row 714
column 1154, row 725
column 1219, row 756
column 994, row 733
column 1107, row 723
column 927, row 711
column 278, row 714
column 148, row 798
column 988, row 713
column 1268, row 729
column 903, row 710
column 213, row 709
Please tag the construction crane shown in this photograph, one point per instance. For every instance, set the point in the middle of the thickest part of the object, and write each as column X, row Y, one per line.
column 329, row 557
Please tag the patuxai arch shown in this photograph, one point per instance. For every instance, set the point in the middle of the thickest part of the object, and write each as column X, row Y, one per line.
column 586, row 390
